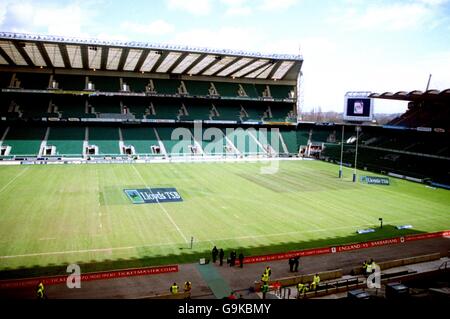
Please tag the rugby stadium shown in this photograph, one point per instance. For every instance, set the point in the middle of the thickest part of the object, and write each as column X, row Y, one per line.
column 133, row 160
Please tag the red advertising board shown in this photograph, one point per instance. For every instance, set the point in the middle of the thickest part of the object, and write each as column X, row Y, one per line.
column 89, row 276
column 247, row 260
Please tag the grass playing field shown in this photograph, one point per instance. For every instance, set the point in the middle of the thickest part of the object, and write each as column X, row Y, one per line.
column 58, row 214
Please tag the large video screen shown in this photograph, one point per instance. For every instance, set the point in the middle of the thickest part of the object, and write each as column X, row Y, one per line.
column 358, row 109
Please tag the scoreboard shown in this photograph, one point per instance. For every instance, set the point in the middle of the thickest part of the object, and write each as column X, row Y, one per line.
column 358, row 107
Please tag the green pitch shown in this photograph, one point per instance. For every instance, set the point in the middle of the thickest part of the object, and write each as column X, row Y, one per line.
column 53, row 215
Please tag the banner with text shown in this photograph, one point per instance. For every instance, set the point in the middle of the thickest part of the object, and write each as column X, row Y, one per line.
column 153, row 195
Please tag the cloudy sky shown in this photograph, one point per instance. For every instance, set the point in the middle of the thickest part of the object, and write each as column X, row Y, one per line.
column 347, row 45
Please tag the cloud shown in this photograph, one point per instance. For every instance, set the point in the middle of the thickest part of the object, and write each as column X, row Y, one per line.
column 235, row 38
column 237, row 7
column 390, row 17
column 195, row 7
column 270, row 5
column 157, row 27
column 239, row 11
column 249, row 39
column 69, row 20
column 247, row 7
column 433, row 2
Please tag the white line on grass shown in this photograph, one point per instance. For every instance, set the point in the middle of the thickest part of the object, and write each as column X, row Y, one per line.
column 17, row 176
column 215, row 240
column 162, row 207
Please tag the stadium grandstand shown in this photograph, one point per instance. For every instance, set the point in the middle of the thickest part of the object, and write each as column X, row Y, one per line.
column 83, row 99
column 146, row 107
column 416, row 144
column 77, row 99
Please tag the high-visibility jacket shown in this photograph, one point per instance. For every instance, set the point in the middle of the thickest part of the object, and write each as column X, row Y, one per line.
column 316, row 279
column 369, row 268
column 265, row 277
column 302, row 288
column 40, row 293
column 268, row 271
column 174, row 289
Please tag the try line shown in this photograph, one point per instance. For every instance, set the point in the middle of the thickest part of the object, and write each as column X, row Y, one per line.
column 162, row 207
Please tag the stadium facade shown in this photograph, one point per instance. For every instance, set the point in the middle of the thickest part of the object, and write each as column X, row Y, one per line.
column 85, row 100
column 93, row 99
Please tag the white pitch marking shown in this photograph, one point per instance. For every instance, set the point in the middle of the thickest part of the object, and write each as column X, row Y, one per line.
column 162, row 207
column 199, row 242
column 17, row 176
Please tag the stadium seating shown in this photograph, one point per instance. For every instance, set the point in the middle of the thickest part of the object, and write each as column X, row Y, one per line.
column 67, row 140
column 250, row 89
column 228, row 112
column 24, row 141
column 163, row 86
column 281, row 91
column 197, row 111
column 434, row 115
column 108, row 105
column 226, row 89
column 320, row 136
column 178, row 146
column 279, row 112
column 198, row 88
column 302, row 136
column 105, row 83
column 166, row 109
column 34, row 106
column 379, row 151
column 71, row 106
column 5, row 79
column 137, row 106
column 70, row 82
column 244, row 142
column 290, row 139
column 142, row 138
column 215, row 144
column 270, row 141
column 254, row 111
column 33, row 81
column 106, row 139
column 136, row 85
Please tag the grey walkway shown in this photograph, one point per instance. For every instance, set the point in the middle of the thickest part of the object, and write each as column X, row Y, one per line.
column 214, row 280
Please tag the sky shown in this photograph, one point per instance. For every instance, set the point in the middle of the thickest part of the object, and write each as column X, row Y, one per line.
column 347, row 45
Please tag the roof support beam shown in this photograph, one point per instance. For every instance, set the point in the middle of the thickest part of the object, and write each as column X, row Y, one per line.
column 242, row 66
column 261, row 67
column 44, row 54
column 209, row 65
column 6, row 57
column 275, row 68
column 177, row 62
column 84, row 56
column 104, row 58
column 201, row 57
column 162, row 57
column 226, row 66
column 123, row 59
column 261, row 70
column 141, row 60
column 23, row 53
column 65, row 56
